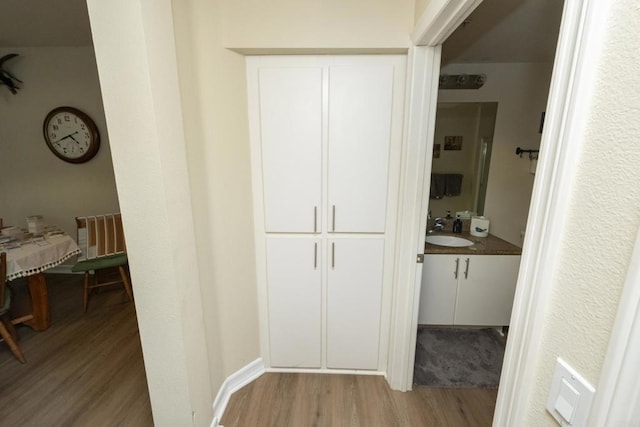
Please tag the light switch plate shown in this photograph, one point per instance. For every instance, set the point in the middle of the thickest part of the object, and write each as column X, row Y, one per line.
column 570, row 396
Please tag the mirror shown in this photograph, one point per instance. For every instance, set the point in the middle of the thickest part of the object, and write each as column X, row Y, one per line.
column 461, row 156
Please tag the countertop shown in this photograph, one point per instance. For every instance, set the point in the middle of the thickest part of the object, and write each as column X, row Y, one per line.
column 490, row 245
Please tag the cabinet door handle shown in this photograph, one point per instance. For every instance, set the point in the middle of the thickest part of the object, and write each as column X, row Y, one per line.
column 333, row 218
column 315, row 219
column 315, row 255
column 466, row 271
column 333, row 255
column 455, row 273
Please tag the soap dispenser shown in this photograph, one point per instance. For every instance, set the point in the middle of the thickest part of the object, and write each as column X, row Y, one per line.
column 457, row 225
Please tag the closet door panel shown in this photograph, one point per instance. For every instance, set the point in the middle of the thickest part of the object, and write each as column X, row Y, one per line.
column 291, row 136
column 294, row 292
column 360, row 110
column 354, row 298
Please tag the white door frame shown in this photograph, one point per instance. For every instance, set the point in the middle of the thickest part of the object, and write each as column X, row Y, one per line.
column 566, row 109
column 616, row 402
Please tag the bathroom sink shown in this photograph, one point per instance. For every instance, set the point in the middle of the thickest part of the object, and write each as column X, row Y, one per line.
column 451, row 241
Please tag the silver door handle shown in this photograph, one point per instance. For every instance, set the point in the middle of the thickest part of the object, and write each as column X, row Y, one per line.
column 315, row 219
column 333, row 218
column 333, row 255
column 455, row 273
column 315, row 255
column 466, row 271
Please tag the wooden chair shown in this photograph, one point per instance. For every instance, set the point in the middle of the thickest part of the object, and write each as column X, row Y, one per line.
column 7, row 331
column 101, row 239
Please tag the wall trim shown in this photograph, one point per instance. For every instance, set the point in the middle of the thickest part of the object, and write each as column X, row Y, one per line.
column 422, row 91
column 233, row 383
column 423, row 69
column 439, row 19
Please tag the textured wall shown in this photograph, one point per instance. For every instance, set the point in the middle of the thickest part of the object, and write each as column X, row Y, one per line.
column 604, row 217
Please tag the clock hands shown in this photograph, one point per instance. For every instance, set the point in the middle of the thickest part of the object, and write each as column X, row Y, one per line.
column 65, row 137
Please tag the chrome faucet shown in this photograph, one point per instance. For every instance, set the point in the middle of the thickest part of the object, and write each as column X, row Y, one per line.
column 438, row 224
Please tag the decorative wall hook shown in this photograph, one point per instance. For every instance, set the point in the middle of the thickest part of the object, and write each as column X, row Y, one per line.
column 6, row 78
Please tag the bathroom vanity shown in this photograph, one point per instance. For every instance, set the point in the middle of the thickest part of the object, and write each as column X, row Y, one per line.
column 472, row 285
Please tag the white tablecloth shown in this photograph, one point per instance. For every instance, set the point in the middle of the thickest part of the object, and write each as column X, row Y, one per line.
column 33, row 257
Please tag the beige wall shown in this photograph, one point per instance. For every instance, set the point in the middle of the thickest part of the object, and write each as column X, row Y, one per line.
column 594, row 259
column 420, row 6
column 214, row 99
column 521, row 91
column 326, row 24
column 34, row 181
column 216, row 126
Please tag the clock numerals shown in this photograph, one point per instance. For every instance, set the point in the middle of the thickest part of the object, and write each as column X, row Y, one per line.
column 71, row 134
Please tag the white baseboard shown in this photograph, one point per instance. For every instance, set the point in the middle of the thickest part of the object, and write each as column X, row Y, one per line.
column 233, row 383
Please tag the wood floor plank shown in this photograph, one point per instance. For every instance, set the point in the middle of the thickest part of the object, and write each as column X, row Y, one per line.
column 277, row 399
column 86, row 369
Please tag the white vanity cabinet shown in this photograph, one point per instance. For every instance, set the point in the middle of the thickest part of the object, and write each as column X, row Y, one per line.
column 439, row 289
column 326, row 135
column 468, row 289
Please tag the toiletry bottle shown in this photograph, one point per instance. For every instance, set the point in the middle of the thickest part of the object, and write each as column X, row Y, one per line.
column 457, row 225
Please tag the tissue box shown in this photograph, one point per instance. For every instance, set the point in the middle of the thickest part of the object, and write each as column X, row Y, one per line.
column 479, row 226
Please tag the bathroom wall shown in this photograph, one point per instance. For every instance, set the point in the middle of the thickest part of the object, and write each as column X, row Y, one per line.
column 521, row 91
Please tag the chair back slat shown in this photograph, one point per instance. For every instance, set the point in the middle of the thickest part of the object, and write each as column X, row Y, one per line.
column 100, row 235
column 3, row 277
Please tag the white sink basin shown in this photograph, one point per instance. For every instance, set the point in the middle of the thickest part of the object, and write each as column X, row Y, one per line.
column 451, row 241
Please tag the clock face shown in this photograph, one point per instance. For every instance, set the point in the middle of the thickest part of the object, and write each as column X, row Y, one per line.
column 71, row 134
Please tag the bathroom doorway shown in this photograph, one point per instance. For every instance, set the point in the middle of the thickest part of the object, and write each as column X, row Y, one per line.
column 503, row 181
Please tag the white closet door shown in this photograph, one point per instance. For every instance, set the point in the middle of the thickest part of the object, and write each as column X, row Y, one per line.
column 360, row 108
column 291, row 136
column 354, row 297
column 294, row 280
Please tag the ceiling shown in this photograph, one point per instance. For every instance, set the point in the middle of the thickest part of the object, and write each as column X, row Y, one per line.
column 506, row 31
column 44, row 23
column 497, row 31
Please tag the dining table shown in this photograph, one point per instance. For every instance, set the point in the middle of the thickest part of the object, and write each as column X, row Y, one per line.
column 30, row 256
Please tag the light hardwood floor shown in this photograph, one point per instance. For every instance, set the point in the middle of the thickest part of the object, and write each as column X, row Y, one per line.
column 350, row 400
column 85, row 370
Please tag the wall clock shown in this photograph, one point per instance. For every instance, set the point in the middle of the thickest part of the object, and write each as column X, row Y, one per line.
column 71, row 134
